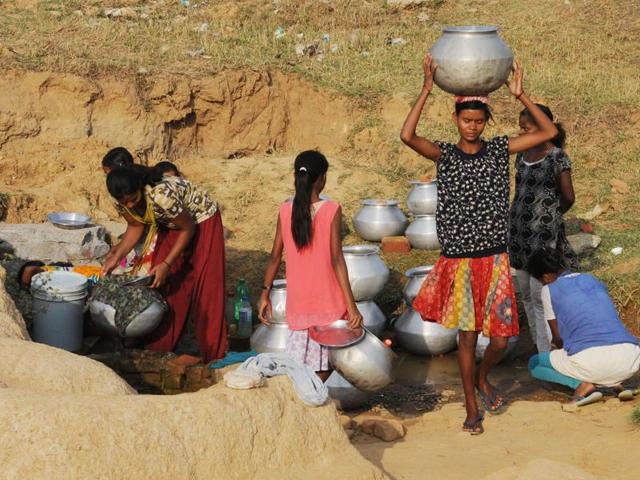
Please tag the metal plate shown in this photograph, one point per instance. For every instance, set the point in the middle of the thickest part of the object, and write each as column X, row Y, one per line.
column 69, row 220
column 336, row 334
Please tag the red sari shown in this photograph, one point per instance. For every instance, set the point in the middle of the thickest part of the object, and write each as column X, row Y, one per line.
column 195, row 285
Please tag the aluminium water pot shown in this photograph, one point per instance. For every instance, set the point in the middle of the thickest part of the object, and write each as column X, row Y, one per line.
column 368, row 274
column 377, row 219
column 423, row 338
column 472, row 60
column 422, row 233
column 423, row 197
column 415, row 278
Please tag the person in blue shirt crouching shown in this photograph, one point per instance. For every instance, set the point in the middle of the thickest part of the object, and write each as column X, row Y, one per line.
column 593, row 348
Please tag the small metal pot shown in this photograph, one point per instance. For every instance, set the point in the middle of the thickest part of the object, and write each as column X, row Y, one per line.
column 422, row 233
column 472, row 60
column 423, row 198
column 379, row 218
column 483, row 343
column 372, row 317
column 270, row 338
column 367, row 272
column 366, row 364
column 344, row 394
column 423, row 338
column 416, row 278
column 103, row 316
column 278, row 299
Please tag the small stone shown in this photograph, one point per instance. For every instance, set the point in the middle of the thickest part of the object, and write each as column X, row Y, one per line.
column 584, row 243
column 395, row 245
column 406, row 3
column 569, row 407
column 385, row 429
column 586, row 227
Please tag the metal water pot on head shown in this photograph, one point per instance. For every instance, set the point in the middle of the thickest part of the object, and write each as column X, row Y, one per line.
column 472, row 60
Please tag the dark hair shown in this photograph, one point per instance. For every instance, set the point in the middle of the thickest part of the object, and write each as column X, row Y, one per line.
column 116, row 158
column 308, row 167
column 545, row 260
column 561, row 137
column 475, row 105
column 129, row 180
column 164, row 167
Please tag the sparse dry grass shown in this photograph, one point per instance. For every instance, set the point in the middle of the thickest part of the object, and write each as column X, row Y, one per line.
column 581, row 57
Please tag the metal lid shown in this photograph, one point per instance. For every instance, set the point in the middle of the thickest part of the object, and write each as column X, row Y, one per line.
column 471, row 29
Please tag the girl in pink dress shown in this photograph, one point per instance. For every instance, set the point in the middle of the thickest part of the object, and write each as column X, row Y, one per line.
column 318, row 289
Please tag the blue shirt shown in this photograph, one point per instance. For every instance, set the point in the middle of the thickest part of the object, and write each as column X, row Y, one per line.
column 585, row 313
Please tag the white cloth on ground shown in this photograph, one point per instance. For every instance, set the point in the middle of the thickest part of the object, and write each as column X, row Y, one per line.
column 606, row 366
column 311, row 390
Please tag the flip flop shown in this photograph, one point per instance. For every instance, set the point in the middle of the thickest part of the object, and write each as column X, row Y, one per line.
column 593, row 397
column 475, row 427
column 493, row 403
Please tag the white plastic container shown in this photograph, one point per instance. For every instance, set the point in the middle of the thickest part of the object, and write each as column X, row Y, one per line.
column 58, row 309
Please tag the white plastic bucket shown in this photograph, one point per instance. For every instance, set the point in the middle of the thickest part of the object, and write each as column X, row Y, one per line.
column 58, row 309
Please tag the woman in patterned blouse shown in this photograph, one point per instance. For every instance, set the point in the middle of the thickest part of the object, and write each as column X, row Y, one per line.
column 188, row 260
column 470, row 287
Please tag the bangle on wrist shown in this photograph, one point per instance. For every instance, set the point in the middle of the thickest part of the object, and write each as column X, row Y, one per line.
column 166, row 263
column 519, row 95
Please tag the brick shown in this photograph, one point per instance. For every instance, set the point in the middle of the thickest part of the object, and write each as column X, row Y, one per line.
column 395, row 245
column 586, row 227
column 194, row 373
column 143, row 361
column 178, row 365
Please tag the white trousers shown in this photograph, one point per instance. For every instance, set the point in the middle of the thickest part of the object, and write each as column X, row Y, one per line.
column 530, row 289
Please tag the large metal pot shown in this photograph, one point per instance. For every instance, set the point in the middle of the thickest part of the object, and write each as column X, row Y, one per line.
column 423, row 197
column 472, row 60
column 416, row 277
column 278, row 298
column 372, row 317
column 270, row 338
column 422, row 233
column 379, row 218
column 367, row 272
column 103, row 316
column 483, row 343
column 344, row 394
column 366, row 364
column 423, row 338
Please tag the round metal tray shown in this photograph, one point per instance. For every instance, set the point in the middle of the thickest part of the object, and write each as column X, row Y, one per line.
column 336, row 334
column 69, row 220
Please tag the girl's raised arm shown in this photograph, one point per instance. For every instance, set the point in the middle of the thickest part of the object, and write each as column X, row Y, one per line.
column 264, row 309
column 408, row 135
column 547, row 129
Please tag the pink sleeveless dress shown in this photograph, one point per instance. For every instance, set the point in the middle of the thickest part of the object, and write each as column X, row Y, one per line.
column 314, row 296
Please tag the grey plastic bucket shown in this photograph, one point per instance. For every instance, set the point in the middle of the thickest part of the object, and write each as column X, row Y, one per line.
column 58, row 309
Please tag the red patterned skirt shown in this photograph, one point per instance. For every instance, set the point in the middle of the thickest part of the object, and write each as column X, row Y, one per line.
column 471, row 294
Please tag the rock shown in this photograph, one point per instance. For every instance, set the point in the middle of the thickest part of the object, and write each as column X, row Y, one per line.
column 346, row 422
column 406, row 3
column 52, row 244
column 124, row 12
column 385, row 429
column 586, row 227
column 584, row 243
column 619, row 186
column 591, row 214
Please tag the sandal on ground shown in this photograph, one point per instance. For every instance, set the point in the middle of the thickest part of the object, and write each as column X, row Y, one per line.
column 492, row 402
column 580, row 401
column 474, row 427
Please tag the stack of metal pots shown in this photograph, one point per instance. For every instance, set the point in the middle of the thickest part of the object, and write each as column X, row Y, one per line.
column 412, row 332
column 377, row 219
column 422, row 202
column 273, row 338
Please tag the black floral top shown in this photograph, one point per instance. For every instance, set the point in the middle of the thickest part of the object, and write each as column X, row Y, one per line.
column 536, row 219
column 473, row 199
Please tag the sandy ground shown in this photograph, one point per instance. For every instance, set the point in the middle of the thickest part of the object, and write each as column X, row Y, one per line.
column 531, row 440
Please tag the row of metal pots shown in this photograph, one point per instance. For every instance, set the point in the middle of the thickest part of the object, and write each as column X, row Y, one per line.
column 377, row 219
